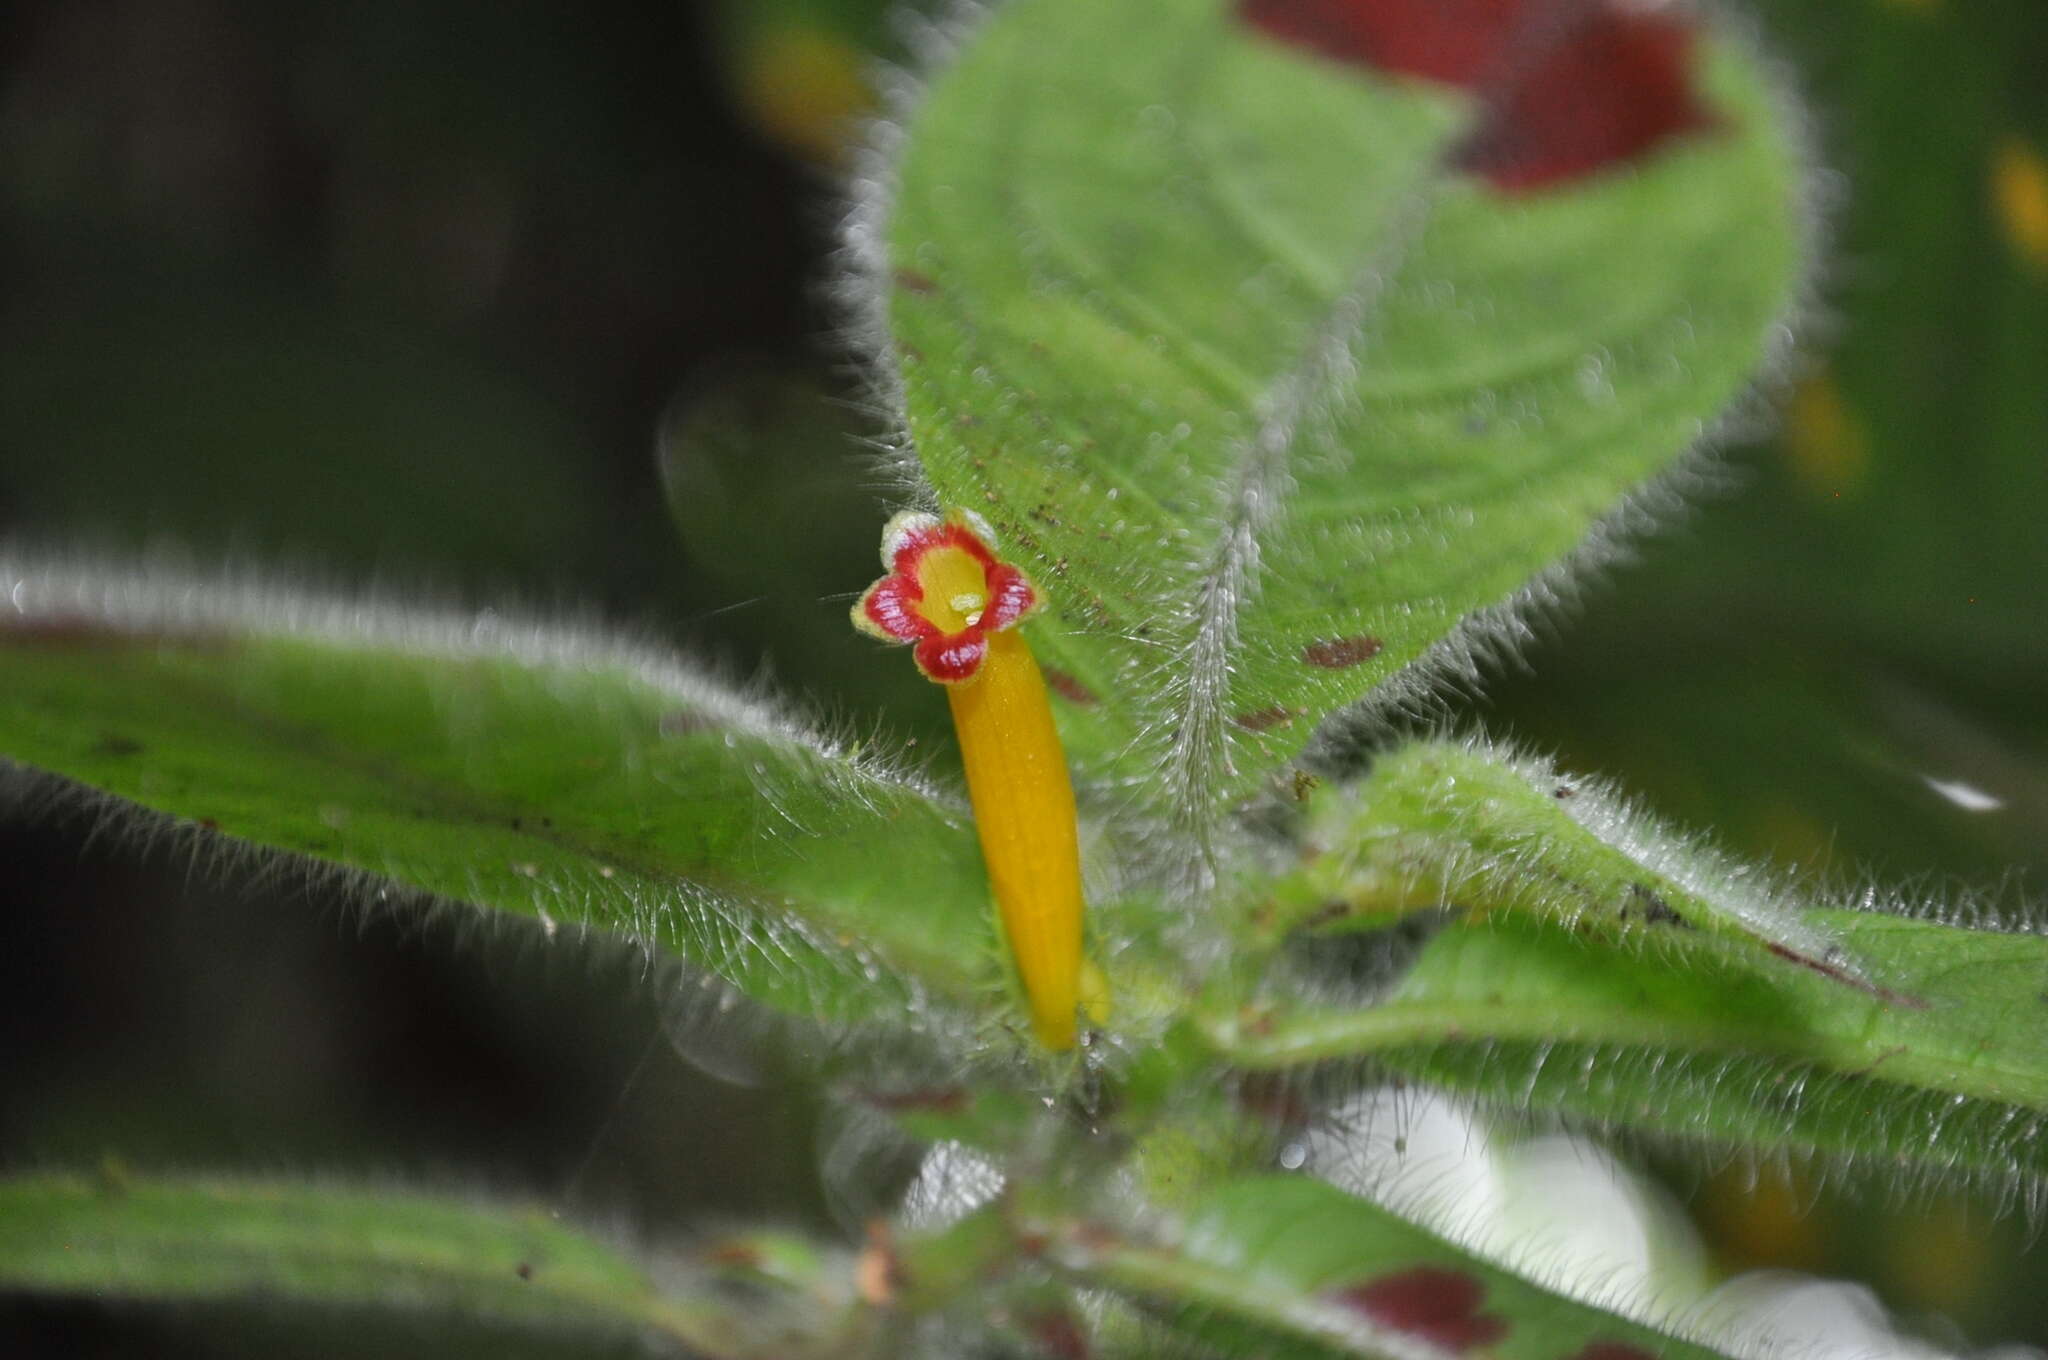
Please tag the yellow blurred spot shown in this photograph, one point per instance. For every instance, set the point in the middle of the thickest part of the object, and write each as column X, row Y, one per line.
column 1829, row 449
column 1095, row 994
column 1767, row 1222
column 2019, row 192
column 1789, row 834
column 1943, row 1261
column 805, row 89
column 877, row 1271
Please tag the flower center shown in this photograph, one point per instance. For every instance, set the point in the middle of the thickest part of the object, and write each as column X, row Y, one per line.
column 955, row 589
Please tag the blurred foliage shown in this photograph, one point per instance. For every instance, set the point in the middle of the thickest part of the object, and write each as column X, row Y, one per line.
column 1797, row 666
column 1793, row 665
column 386, row 291
column 802, row 70
column 473, row 250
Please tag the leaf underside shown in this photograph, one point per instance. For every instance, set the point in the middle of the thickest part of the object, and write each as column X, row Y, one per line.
column 1603, row 968
column 1956, row 1093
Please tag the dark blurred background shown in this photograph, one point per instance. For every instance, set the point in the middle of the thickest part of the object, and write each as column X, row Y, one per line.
column 520, row 300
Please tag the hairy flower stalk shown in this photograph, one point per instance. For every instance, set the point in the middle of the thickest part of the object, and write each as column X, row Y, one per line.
column 947, row 593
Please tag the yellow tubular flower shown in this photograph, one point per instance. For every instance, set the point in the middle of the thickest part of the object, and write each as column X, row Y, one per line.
column 1024, row 810
column 947, row 592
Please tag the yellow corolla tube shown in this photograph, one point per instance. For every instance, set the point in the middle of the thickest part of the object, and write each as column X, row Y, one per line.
column 949, row 594
column 1024, row 810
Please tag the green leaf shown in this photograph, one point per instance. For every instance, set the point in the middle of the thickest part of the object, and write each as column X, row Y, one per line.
column 281, row 1244
column 1612, row 972
column 548, row 772
column 1528, row 1017
column 1790, row 668
column 1273, row 406
column 1290, row 1266
column 1439, row 823
column 1843, row 761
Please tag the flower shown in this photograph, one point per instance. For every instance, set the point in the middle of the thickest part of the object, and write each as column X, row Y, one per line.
column 945, row 591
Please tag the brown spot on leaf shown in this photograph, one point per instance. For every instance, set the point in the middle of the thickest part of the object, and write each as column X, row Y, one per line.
column 911, row 281
column 1336, row 654
column 62, row 631
column 1453, row 41
column 1274, row 1098
column 1610, row 90
column 930, row 1100
column 1069, row 688
column 1057, row 1334
column 734, row 1256
column 116, row 744
column 83, row 632
column 1266, row 719
column 524, row 1270
column 1656, row 910
column 1327, row 914
column 878, row 1272
column 1435, row 1303
column 1611, row 1350
column 1095, row 1236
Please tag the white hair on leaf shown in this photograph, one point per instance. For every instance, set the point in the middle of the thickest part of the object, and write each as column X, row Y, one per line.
column 731, row 936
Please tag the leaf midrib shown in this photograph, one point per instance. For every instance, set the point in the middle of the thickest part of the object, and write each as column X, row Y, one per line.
column 1297, row 1040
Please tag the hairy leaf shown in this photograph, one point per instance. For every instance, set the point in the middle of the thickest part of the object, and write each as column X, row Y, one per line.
column 549, row 772
column 282, row 1244
column 1281, row 407
column 1807, row 664
column 1290, row 1266
column 1605, row 969
column 1441, row 824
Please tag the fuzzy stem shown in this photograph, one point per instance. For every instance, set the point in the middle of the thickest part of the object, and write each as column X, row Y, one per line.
column 1024, row 812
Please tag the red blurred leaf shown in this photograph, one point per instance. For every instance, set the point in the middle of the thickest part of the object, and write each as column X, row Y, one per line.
column 1568, row 88
column 1454, row 41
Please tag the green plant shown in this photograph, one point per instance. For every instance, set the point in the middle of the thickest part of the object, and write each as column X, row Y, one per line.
column 1296, row 393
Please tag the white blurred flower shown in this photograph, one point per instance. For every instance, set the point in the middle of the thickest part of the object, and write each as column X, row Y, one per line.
column 1777, row 1312
column 1559, row 1210
column 1578, row 1219
column 952, row 1182
column 1414, row 1152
